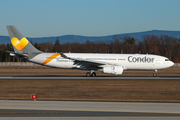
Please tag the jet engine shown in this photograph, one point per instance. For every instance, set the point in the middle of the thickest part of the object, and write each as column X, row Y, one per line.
column 117, row 70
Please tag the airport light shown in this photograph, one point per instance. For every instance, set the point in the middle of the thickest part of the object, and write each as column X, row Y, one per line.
column 34, row 97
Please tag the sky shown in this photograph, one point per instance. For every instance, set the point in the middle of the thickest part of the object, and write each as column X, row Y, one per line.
column 44, row 18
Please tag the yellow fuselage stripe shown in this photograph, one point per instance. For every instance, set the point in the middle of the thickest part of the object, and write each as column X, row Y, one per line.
column 50, row 58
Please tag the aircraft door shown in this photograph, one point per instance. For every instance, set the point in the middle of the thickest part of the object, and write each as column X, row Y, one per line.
column 43, row 57
column 157, row 60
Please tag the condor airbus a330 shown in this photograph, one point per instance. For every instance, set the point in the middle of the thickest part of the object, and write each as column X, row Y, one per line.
column 107, row 63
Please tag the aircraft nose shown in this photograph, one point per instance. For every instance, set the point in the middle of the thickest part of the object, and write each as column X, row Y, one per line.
column 172, row 63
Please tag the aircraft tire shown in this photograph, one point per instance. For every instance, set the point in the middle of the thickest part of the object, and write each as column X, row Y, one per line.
column 93, row 74
column 88, row 74
column 154, row 75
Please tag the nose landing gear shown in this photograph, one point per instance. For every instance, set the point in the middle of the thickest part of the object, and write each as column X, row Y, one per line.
column 155, row 73
column 91, row 74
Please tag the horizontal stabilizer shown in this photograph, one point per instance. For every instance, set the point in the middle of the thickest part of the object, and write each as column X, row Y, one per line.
column 12, row 53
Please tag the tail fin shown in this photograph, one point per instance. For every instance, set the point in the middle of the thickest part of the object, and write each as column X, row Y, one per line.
column 20, row 44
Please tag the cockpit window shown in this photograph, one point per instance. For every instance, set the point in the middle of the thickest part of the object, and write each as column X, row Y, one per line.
column 167, row 60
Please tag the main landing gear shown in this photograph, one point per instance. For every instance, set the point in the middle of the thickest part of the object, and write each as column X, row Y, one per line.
column 154, row 74
column 91, row 74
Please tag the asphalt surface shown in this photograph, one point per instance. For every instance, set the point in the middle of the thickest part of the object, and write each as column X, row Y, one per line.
column 65, row 110
column 60, row 113
column 55, row 77
column 80, row 110
column 91, row 106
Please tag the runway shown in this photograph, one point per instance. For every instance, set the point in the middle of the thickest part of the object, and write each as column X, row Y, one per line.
column 80, row 110
column 88, row 110
column 61, row 113
column 55, row 77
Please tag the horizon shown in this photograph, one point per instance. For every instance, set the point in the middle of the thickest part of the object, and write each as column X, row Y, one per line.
column 97, row 36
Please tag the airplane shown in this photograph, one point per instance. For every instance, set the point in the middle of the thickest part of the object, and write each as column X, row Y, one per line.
column 107, row 63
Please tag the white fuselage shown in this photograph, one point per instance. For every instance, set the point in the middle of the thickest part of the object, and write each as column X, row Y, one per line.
column 128, row 61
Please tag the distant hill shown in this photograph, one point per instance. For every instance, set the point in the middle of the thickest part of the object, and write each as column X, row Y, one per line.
column 82, row 39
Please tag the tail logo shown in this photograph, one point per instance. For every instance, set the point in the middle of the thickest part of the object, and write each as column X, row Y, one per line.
column 19, row 44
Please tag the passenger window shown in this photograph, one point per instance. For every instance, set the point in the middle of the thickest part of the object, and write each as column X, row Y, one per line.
column 167, row 60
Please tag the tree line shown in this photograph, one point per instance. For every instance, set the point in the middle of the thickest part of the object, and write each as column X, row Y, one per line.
column 163, row 45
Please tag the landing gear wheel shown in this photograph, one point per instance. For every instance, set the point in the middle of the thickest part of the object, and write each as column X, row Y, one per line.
column 88, row 74
column 154, row 75
column 93, row 74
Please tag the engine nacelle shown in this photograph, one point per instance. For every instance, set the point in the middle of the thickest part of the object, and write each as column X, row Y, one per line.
column 117, row 70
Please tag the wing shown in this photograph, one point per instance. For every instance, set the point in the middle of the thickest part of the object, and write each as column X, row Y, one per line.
column 85, row 62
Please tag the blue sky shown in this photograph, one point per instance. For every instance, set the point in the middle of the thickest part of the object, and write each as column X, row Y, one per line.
column 42, row 18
